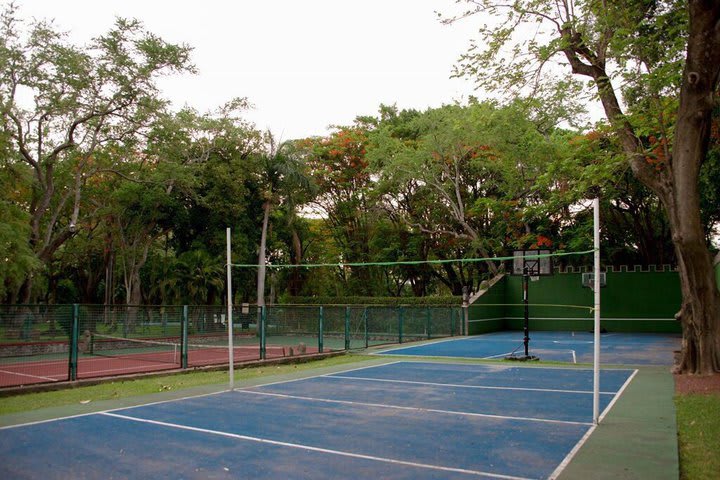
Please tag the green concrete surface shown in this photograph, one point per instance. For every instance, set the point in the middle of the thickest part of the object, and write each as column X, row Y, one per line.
column 637, row 439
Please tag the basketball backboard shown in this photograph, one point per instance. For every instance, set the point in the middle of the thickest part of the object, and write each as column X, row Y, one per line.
column 538, row 262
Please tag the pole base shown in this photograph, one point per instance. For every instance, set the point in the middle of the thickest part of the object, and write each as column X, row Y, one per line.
column 523, row 358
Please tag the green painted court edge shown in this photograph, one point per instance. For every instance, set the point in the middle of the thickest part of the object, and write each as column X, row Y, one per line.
column 637, row 439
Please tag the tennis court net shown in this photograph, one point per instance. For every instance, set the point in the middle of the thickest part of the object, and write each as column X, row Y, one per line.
column 213, row 350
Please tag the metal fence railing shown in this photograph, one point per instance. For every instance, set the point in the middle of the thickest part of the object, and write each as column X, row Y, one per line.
column 55, row 343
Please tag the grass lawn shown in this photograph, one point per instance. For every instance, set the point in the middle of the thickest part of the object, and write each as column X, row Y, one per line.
column 698, row 417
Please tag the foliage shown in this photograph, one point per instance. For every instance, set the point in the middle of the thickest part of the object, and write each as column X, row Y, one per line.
column 464, row 177
column 61, row 103
column 655, row 68
column 134, row 208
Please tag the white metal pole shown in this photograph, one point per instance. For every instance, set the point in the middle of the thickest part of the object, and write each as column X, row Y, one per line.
column 596, row 310
column 231, row 349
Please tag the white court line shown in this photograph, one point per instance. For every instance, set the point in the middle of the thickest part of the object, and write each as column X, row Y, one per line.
column 615, row 399
column 326, row 374
column 170, row 400
column 414, row 409
column 420, row 344
column 454, row 385
column 568, row 458
column 317, row 449
column 101, row 412
column 32, row 376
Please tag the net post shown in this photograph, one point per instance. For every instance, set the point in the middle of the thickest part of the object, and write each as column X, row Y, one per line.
column 400, row 324
column 184, row 322
column 596, row 311
column 74, row 337
column 231, row 349
column 347, row 328
column 263, row 322
column 321, row 317
column 526, row 324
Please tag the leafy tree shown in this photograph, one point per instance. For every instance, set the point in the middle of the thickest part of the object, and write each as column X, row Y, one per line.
column 464, row 177
column 17, row 259
column 635, row 231
column 663, row 59
column 60, row 103
column 283, row 181
column 339, row 169
column 201, row 275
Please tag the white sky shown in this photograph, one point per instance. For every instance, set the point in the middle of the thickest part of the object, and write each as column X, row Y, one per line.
column 304, row 64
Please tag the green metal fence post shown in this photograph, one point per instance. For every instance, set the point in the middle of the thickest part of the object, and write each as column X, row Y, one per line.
column 263, row 324
column 347, row 328
column 452, row 322
column 320, row 329
column 400, row 324
column 429, row 322
column 367, row 332
column 74, row 336
column 184, row 323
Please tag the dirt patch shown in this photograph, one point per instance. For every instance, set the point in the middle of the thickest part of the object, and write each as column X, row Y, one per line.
column 697, row 384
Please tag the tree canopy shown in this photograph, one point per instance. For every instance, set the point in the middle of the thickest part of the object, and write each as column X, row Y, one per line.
column 113, row 197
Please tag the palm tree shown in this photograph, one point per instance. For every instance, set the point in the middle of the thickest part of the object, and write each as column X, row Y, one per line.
column 285, row 181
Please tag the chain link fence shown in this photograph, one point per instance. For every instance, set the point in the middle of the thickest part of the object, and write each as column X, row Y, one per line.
column 56, row 343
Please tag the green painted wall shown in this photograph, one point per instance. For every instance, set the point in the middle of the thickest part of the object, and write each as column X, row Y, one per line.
column 631, row 302
column 487, row 314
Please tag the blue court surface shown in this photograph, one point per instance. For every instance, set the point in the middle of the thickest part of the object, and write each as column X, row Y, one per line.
column 571, row 347
column 401, row 420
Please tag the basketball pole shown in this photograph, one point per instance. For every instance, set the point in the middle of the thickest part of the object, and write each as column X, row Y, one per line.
column 596, row 311
column 231, row 349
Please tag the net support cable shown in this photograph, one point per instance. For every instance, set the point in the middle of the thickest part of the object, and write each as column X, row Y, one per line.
column 405, row 262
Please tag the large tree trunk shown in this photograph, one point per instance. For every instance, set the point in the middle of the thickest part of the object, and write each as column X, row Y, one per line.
column 261, row 255
column 700, row 311
column 675, row 179
column 295, row 284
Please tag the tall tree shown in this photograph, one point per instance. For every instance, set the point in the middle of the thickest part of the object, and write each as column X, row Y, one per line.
column 60, row 103
column 282, row 177
column 663, row 59
column 340, row 170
